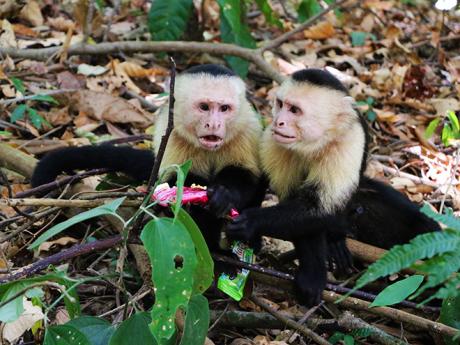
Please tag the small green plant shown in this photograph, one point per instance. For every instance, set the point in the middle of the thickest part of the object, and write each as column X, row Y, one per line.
column 22, row 110
column 369, row 112
column 450, row 132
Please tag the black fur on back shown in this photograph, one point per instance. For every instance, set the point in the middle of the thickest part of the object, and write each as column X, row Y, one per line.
column 212, row 69
column 319, row 77
column 135, row 163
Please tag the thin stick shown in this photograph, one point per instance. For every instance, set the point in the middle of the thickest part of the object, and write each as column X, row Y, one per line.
column 29, row 97
column 292, row 324
column 62, row 203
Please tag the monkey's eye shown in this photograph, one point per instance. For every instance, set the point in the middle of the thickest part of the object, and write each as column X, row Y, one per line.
column 224, row 108
column 204, row 106
column 295, row 110
column 279, row 103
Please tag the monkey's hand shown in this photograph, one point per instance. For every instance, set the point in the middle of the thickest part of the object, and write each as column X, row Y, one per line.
column 309, row 287
column 339, row 257
column 245, row 227
column 221, row 200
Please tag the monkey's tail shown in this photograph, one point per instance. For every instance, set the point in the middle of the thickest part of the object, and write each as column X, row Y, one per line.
column 133, row 162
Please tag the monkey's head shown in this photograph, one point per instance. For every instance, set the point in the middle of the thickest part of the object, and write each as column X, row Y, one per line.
column 312, row 110
column 208, row 106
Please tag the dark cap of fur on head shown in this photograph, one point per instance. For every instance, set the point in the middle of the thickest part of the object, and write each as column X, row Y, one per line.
column 319, row 77
column 212, row 69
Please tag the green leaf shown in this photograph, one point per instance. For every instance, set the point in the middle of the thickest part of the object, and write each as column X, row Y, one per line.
column 270, row 16
column 18, row 85
column 402, row 256
column 18, row 113
column 447, row 219
column 233, row 29
column 64, row 335
column 371, row 115
column 450, row 315
column 204, row 273
column 172, row 255
column 447, row 134
column 167, row 20
column 109, row 208
column 348, row 340
column 358, row 38
column 432, row 127
column 134, row 331
column 182, row 172
column 397, row 292
column 36, row 292
column 336, row 337
column 45, row 98
column 98, row 331
column 307, row 9
column 453, row 120
column 36, row 119
column 439, row 268
column 13, row 309
column 196, row 321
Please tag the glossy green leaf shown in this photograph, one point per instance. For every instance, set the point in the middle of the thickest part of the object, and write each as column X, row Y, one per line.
column 45, row 98
column 167, row 19
column 204, row 271
column 234, row 29
column 64, row 335
column 307, row 9
column 397, row 292
column 348, row 340
column 108, row 208
column 172, row 254
column 447, row 219
column 447, row 134
column 18, row 113
column 270, row 16
column 450, row 315
column 432, row 127
column 134, row 331
column 19, row 85
column 98, row 331
column 13, row 309
column 196, row 321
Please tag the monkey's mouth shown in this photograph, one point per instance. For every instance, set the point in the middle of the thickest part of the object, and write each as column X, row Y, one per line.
column 211, row 141
column 283, row 138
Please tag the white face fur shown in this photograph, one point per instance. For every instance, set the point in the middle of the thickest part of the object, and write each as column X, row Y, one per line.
column 208, row 107
column 307, row 117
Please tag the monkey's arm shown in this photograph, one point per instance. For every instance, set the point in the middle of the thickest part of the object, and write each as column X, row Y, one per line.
column 235, row 187
column 133, row 162
column 289, row 220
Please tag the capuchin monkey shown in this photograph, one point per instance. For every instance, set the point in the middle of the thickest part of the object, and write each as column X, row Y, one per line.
column 214, row 125
column 314, row 155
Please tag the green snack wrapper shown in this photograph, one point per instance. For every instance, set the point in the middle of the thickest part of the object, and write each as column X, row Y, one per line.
column 234, row 286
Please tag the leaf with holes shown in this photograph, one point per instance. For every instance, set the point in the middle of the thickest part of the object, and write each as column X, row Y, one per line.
column 204, row 272
column 397, row 292
column 196, row 321
column 98, row 331
column 64, row 335
column 172, row 255
column 134, row 331
column 168, row 19
column 234, row 29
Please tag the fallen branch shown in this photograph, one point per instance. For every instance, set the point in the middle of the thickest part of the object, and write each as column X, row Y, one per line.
column 16, row 160
column 62, row 203
column 292, row 324
column 349, row 321
column 60, row 257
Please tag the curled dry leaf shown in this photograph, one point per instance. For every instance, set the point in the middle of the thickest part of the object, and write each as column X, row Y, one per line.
column 62, row 241
column 31, row 13
column 442, row 105
column 57, row 117
column 12, row 331
column 8, row 8
column 60, row 23
column 7, row 36
column 23, row 30
column 102, row 106
column 320, row 31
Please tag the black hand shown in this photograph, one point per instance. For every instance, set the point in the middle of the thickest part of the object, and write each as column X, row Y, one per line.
column 339, row 255
column 221, row 200
column 244, row 227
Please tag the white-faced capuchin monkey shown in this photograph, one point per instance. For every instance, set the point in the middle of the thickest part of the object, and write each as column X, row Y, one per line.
column 314, row 154
column 214, row 125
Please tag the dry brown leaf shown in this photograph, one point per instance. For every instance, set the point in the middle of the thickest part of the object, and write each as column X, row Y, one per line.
column 8, row 8
column 12, row 331
column 62, row 241
column 23, row 30
column 379, row 5
column 320, row 31
column 31, row 13
column 8, row 91
column 442, row 105
column 102, row 106
column 105, row 83
column 7, row 36
column 392, row 32
column 368, row 22
column 60, row 23
column 58, row 117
